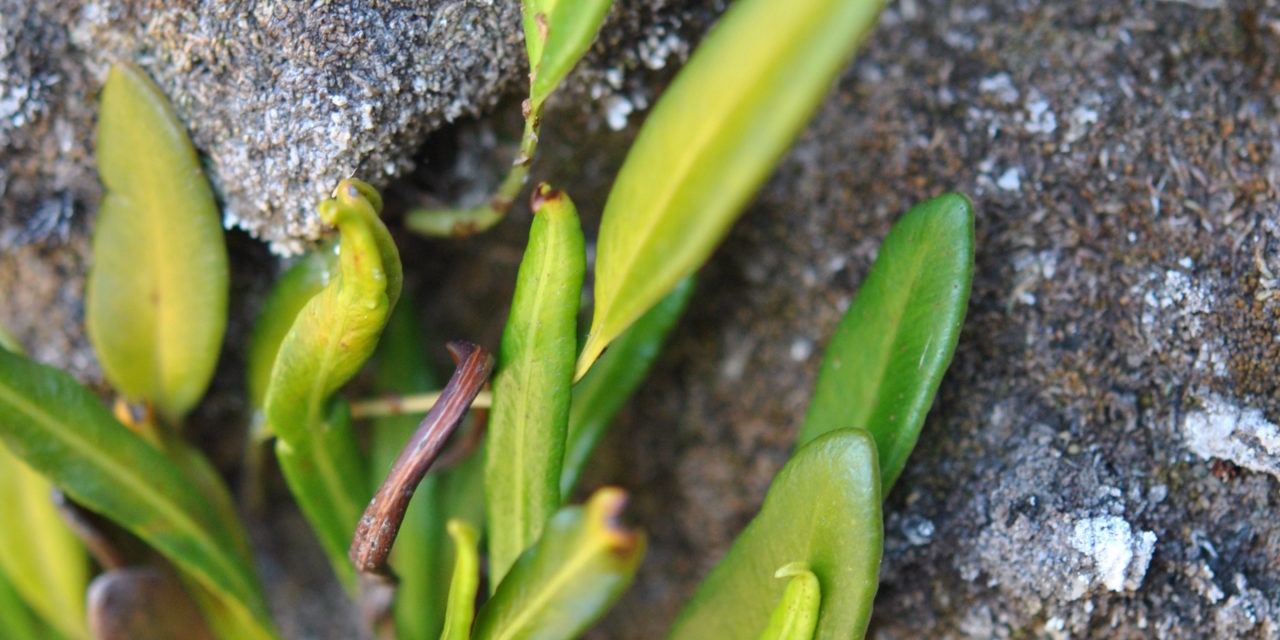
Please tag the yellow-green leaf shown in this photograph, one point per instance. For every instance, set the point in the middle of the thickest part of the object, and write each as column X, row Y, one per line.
column 156, row 305
column 466, row 581
column 332, row 336
column 823, row 509
column 571, row 27
column 291, row 292
column 62, row 431
column 17, row 620
column 713, row 136
column 41, row 558
column 533, row 386
column 561, row 585
column 7, row 341
column 796, row 616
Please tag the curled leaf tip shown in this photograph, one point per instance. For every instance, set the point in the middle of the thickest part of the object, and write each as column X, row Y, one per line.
column 792, row 569
column 796, row 616
column 568, row 579
column 351, row 191
column 459, row 530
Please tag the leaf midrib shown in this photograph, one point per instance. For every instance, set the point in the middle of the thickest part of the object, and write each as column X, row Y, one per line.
column 525, row 377
column 147, row 177
column 915, row 267
column 184, row 524
column 690, row 156
column 543, row 596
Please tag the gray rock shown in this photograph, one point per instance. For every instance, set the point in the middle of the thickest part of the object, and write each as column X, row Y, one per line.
column 284, row 99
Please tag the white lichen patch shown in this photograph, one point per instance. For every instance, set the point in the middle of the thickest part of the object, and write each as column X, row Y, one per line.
column 1001, row 86
column 1080, row 121
column 1010, row 180
column 1223, row 429
column 1177, row 295
column 1120, row 555
column 617, row 109
column 1039, row 117
column 1032, row 269
column 1177, row 305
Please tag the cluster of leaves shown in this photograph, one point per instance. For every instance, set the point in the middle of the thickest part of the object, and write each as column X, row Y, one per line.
column 806, row 566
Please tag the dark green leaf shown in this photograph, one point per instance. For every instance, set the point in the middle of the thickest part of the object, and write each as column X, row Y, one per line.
column 601, row 393
column 583, row 562
column 156, row 304
column 824, row 509
column 532, row 389
column 713, row 137
column 61, row 430
column 893, row 345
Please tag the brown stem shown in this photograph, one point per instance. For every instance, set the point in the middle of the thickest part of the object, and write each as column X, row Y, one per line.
column 470, row 441
column 377, row 529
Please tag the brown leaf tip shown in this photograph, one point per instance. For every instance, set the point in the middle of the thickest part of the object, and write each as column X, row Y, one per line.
column 607, row 504
column 544, row 195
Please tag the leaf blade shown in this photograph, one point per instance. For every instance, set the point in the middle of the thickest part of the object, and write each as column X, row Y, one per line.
column 466, row 581
column 822, row 508
column 579, row 567
column 887, row 356
column 571, row 28
column 39, row 555
column 61, row 430
column 17, row 619
column 752, row 83
column 532, row 390
column 331, row 338
column 156, row 299
column 297, row 286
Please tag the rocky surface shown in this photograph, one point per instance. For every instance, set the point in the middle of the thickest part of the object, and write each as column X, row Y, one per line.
column 1102, row 459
